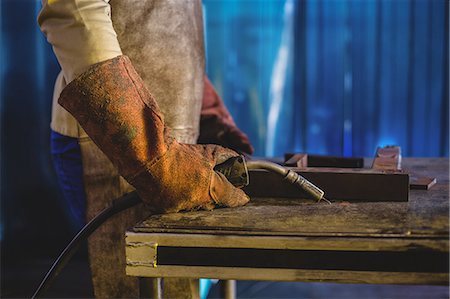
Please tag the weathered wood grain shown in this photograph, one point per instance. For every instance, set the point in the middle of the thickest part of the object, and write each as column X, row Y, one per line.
column 221, row 240
column 425, row 215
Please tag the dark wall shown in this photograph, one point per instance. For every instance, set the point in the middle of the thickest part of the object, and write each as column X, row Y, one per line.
column 31, row 210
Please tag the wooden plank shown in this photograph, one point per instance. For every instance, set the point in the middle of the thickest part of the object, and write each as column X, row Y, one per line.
column 378, row 243
column 338, row 184
column 278, row 217
column 141, row 252
column 292, row 275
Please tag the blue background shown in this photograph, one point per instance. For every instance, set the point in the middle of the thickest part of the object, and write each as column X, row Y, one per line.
column 351, row 75
column 326, row 77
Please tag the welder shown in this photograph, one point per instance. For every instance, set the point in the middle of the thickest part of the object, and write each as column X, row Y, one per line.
column 132, row 100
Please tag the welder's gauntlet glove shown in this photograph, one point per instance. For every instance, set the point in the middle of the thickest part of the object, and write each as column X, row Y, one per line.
column 216, row 124
column 117, row 111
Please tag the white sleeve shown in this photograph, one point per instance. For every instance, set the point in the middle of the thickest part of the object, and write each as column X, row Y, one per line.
column 81, row 33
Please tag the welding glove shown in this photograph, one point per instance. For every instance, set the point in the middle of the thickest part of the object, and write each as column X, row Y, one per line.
column 117, row 111
column 216, row 124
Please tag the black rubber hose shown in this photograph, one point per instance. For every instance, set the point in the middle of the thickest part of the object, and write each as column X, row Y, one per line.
column 122, row 203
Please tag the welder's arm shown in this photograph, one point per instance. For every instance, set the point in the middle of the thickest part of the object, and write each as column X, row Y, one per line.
column 216, row 124
column 112, row 104
column 81, row 33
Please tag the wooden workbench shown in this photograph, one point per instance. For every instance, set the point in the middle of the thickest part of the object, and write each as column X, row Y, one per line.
column 299, row 240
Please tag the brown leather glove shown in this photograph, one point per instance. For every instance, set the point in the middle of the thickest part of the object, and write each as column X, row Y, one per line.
column 216, row 124
column 117, row 111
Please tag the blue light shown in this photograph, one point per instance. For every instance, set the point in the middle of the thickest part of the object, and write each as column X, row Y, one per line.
column 353, row 88
column 386, row 142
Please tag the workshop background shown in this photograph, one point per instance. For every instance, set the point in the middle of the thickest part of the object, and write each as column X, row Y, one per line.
column 337, row 77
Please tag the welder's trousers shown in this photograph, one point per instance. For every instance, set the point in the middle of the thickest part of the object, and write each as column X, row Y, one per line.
column 100, row 184
column 93, row 191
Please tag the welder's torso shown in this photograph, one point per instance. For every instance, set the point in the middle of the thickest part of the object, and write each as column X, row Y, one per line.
column 164, row 40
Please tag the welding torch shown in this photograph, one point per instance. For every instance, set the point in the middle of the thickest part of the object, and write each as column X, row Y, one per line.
column 236, row 170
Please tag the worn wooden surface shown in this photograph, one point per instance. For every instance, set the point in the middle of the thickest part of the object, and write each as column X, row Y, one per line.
column 425, row 215
column 420, row 225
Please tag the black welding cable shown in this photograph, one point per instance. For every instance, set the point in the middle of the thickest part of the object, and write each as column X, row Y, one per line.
column 122, row 203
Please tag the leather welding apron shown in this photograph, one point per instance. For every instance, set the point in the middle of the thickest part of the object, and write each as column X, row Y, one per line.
column 164, row 40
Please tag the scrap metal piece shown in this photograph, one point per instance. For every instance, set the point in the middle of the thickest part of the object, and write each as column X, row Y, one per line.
column 352, row 185
column 388, row 158
column 297, row 160
column 323, row 161
column 421, row 183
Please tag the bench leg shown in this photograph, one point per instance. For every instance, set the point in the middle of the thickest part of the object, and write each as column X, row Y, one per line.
column 186, row 288
column 228, row 289
column 150, row 288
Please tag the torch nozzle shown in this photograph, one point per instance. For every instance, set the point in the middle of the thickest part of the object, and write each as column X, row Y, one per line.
column 291, row 176
column 236, row 169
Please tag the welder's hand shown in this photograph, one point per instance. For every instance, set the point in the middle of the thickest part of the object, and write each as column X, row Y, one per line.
column 184, row 179
column 216, row 124
column 112, row 104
